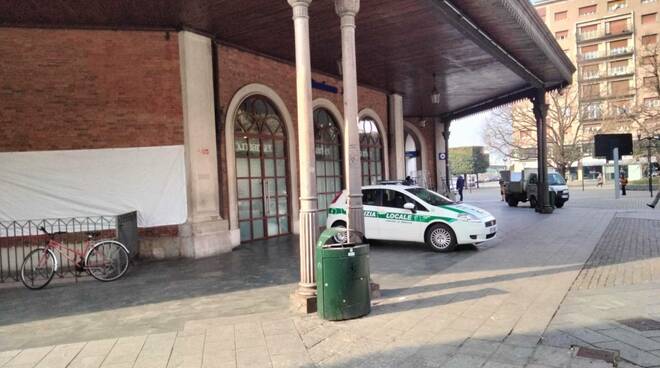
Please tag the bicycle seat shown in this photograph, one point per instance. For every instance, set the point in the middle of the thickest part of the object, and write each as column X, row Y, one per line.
column 93, row 234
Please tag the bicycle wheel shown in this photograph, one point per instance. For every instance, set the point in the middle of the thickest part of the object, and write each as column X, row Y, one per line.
column 107, row 260
column 38, row 268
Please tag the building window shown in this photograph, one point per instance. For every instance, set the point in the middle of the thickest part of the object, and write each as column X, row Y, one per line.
column 589, row 52
column 261, row 170
column 618, row 47
column 591, row 90
column 618, row 26
column 561, row 35
column 591, row 111
column 620, row 87
column 588, row 32
column 587, row 10
column 620, row 108
column 371, row 149
column 616, row 5
column 648, row 60
column 590, row 71
column 647, row 1
column 652, row 102
column 649, row 18
column 649, row 39
column 619, row 68
column 650, row 82
column 328, row 148
column 561, row 15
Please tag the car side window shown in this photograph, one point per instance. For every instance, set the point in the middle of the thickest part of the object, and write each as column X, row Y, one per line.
column 394, row 199
column 533, row 178
column 371, row 197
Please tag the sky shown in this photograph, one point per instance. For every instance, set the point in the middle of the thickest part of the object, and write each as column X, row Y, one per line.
column 469, row 131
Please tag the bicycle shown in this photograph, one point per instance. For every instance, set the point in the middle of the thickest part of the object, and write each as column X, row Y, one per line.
column 105, row 260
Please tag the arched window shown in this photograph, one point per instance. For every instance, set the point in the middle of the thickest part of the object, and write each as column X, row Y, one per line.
column 328, row 146
column 413, row 156
column 261, row 170
column 371, row 148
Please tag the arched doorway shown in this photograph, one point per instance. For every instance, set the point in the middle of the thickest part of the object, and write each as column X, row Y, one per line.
column 413, row 155
column 371, row 149
column 328, row 146
column 262, row 183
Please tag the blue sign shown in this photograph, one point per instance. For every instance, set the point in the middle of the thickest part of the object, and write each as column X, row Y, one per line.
column 324, row 87
column 442, row 156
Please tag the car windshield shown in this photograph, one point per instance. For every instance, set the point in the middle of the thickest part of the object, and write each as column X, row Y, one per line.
column 555, row 179
column 432, row 198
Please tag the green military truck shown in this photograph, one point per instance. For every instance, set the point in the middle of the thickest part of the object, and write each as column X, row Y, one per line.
column 523, row 187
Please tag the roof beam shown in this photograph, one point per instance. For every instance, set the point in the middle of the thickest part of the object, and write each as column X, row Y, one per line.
column 470, row 30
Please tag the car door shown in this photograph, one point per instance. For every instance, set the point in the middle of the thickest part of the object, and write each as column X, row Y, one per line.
column 396, row 222
column 371, row 201
column 532, row 185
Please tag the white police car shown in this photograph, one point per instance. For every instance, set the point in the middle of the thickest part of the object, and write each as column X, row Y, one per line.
column 410, row 213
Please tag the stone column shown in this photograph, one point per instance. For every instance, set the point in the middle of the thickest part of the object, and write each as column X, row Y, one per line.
column 347, row 9
column 442, row 165
column 304, row 299
column 397, row 137
column 445, row 135
column 540, row 113
column 205, row 233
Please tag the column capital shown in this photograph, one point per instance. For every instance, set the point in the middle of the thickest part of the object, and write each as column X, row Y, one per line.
column 300, row 8
column 347, row 7
column 540, row 110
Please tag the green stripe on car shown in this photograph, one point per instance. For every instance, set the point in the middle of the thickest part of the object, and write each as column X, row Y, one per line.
column 395, row 215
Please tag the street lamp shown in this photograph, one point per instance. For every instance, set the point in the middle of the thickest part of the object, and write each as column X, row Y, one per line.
column 650, row 143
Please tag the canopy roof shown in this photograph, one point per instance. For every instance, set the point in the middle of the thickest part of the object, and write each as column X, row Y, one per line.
column 484, row 52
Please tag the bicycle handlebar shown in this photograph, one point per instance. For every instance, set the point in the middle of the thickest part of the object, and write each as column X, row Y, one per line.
column 43, row 229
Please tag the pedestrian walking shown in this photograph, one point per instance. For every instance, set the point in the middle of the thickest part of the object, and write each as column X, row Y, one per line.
column 460, row 184
column 408, row 181
column 599, row 180
column 623, row 181
column 502, row 189
column 655, row 201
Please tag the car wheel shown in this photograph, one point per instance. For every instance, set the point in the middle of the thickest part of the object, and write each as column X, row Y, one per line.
column 532, row 202
column 512, row 202
column 340, row 238
column 559, row 204
column 441, row 238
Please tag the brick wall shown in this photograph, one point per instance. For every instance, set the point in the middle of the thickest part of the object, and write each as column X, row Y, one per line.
column 238, row 68
column 83, row 89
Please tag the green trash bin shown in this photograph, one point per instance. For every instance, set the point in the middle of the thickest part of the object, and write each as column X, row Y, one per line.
column 552, row 198
column 342, row 276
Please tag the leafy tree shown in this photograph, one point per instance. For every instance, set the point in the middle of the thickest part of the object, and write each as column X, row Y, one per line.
column 468, row 160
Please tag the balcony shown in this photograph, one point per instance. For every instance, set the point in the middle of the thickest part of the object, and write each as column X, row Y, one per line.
column 621, row 71
column 591, row 116
column 591, row 76
column 605, row 94
column 604, row 54
column 603, row 32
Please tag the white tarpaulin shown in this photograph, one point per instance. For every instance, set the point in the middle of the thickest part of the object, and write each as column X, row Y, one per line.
column 58, row 184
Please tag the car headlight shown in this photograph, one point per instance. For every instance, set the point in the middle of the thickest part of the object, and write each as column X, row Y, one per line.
column 467, row 217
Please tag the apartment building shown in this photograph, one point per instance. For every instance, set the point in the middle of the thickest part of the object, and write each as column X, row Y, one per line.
column 607, row 40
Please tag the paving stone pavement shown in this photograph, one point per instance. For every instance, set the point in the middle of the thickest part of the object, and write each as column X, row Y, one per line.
column 620, row 282
column 489, row 309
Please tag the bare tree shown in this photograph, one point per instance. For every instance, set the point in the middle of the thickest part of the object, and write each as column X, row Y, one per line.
column 512, row 130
